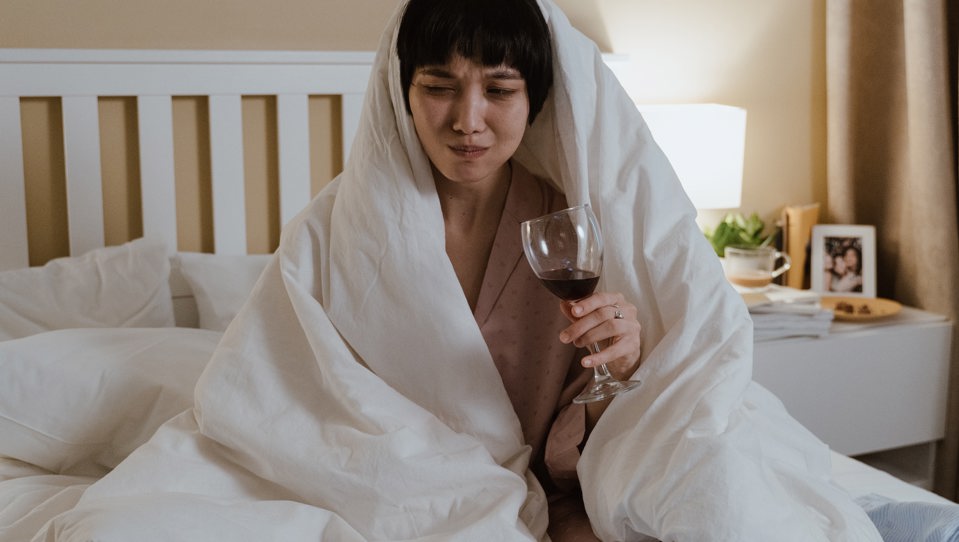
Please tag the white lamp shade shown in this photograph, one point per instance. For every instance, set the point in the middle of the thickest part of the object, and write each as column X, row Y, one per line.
column 705, row 143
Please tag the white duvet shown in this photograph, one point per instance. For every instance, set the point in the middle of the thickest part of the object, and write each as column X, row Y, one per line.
column 354, row 398
column 76, row 402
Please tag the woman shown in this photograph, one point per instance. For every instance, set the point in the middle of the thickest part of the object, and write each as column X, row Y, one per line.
column 849, row 270
column 474, row 75
column 397, row 374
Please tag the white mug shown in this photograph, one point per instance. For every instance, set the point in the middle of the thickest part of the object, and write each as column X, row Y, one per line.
column 754, row 267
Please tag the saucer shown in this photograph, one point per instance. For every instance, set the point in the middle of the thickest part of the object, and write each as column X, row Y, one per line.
column 859, row 309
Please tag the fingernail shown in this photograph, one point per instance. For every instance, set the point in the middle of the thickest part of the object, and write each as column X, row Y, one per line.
column 577, row 310
column 564, row 337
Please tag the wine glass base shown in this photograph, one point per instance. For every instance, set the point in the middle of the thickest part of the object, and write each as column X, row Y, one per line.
column 604, row 389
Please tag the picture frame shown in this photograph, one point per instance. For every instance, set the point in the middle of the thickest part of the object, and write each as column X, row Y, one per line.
column 834, row 249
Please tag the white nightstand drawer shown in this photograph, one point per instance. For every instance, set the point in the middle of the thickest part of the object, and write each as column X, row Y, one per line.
column 865, row 387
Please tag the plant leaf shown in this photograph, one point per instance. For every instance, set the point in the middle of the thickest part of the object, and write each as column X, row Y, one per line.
column 735, row 229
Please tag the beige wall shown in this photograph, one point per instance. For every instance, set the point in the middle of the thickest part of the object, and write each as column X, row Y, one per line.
column 764, row 55
column 767, row 56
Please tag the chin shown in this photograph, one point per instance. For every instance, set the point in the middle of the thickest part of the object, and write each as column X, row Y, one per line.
column 469, row 178
column 469, row 173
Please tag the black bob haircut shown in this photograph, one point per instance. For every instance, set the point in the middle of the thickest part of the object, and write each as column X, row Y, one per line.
column 490, row 32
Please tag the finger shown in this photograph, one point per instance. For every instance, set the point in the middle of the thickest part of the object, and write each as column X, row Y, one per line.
column 621, row 356
column 623, row 336
column 615, row 354
column 596, row 301
column 608, row 329
column 592, row 322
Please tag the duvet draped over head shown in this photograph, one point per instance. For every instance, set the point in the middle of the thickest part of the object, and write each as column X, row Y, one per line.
column 354, row 397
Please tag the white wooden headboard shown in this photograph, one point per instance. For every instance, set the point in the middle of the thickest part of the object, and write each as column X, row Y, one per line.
column 80, row 77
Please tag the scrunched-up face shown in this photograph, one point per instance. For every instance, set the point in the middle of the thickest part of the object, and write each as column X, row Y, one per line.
column 470, row 118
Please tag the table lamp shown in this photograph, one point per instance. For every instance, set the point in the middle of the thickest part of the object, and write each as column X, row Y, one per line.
column 705, row 143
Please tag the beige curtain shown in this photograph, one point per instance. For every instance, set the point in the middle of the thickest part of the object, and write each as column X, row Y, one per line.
column 891, row 80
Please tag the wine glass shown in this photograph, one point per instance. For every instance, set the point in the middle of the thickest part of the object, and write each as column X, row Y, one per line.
column 565, row 250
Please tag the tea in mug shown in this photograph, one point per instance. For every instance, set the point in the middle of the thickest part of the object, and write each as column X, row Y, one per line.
column 754, row 267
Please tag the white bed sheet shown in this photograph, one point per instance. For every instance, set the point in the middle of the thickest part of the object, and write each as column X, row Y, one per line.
column 29, row 495
column 860, row 479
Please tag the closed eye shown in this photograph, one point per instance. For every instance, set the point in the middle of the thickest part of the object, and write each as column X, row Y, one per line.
column 502, row 92
column 438, row 90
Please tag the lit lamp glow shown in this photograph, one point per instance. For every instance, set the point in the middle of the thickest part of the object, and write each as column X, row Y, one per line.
column 705, row 143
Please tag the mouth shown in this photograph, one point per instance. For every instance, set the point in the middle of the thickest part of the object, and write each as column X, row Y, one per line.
column 468, row 151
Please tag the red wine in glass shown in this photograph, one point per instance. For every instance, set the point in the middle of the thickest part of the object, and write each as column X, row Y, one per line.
column 569, row 284
column 565, row 250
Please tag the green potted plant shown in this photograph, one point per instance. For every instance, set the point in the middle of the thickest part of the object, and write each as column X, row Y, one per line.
column 736, row 230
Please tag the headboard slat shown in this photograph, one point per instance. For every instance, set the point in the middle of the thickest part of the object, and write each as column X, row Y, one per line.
column 157, row 171
column 293, row 138
column 226, row 169
column 81, row 150
column 14, row 252
column 352, row 108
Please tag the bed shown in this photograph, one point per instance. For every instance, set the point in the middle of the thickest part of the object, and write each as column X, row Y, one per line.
column 102, row 344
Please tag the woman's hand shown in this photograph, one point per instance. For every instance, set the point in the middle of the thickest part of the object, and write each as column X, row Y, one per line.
column 610, row 321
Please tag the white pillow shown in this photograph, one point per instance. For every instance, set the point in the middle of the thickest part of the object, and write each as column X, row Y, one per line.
column 78, row 401
column 220, row 283
column 118, row 286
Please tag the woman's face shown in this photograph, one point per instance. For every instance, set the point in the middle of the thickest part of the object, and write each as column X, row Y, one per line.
column 839, row 265
column 851, row 259
column 469, row 118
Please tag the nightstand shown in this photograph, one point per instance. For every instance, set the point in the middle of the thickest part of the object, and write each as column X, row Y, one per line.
column 876, row 391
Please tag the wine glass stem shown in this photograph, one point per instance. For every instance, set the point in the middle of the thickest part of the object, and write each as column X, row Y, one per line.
column 600, row 372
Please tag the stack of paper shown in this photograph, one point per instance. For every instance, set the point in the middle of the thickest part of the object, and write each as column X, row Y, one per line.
column 780, row 311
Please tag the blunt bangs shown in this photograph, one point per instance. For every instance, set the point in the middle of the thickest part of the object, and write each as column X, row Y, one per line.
column 491, row 32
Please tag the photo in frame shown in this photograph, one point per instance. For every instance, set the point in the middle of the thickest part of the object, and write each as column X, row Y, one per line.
column 843, row 260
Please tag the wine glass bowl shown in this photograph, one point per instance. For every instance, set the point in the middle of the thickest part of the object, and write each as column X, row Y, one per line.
column 565, row 250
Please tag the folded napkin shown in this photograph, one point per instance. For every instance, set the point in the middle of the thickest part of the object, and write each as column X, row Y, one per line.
column 777, row 298
column 780, row 311
column 780, row 325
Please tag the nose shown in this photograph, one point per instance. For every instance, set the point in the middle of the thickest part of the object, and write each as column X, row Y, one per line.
column 469, row 112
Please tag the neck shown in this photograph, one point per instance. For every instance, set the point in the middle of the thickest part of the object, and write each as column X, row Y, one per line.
column 471, row 214
column 466, row 206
